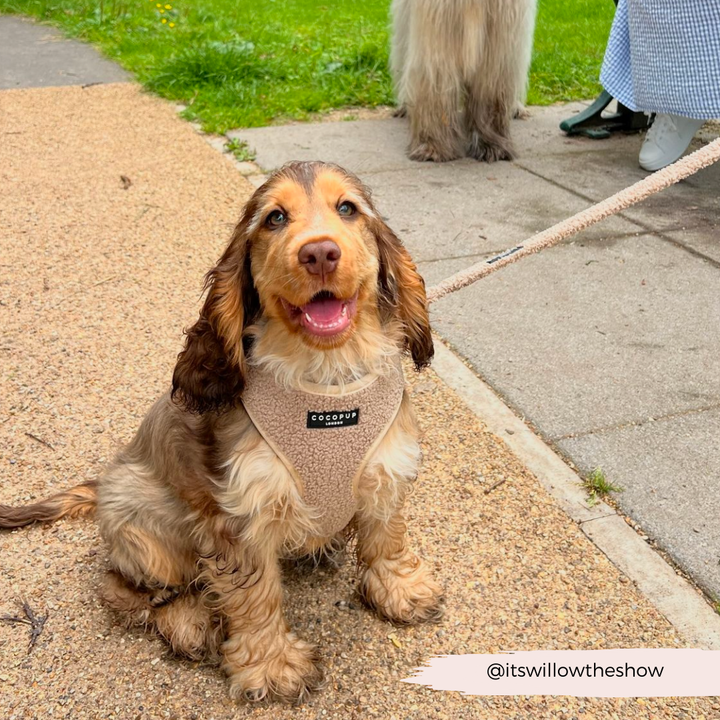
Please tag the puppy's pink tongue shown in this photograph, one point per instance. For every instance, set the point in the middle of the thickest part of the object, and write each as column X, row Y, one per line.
column 324, row 310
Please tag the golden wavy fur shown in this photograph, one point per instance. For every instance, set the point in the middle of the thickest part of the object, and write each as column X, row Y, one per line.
column 197, row 510
column 460, row 69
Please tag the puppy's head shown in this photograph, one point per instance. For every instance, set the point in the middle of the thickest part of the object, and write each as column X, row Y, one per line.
column 312, row 258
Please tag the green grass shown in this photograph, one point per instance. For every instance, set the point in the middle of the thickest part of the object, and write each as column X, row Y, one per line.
column 243, row 63
column 570, row 39
column 598, row 486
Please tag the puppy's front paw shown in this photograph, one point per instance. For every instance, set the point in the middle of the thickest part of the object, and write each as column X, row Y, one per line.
column 402, row 591
column 190, row 627
column 286, row 670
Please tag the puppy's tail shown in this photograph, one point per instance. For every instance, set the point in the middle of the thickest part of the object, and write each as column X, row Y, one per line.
column 75, row 502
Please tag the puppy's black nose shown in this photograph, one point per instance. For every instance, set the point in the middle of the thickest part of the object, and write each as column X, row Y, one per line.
column 319, row 258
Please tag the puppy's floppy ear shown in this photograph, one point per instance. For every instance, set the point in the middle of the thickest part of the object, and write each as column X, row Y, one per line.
column 402, row 293
column 209, row 373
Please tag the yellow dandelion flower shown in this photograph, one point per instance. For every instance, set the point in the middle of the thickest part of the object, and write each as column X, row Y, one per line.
column 171, row 24
column 168, row 7
column 161, row 11
column 163, row 21
column 158, row 5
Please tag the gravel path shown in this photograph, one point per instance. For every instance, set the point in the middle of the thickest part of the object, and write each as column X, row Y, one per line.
column 98, row 276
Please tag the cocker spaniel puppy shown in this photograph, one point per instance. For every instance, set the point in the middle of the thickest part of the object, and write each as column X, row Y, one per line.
column 460, row 69
column 287, row 424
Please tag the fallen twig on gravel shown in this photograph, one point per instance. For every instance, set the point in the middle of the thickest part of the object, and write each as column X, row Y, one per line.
column 81, row 289
column 36, row 622
column 40, row 440
column 494, row 486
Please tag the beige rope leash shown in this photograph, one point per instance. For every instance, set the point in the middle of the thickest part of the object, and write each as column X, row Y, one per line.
column 642, row 189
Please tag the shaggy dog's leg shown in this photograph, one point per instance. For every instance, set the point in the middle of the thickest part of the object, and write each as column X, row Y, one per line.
column 435, row 123
column 489, row 125
column 428, row 82
column 395, row 581
column 496, row 89
column 521, row 112
column 261, row 656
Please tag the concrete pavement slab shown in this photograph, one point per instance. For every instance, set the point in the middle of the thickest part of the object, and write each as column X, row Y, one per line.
column 591, row 169
column 33, row 55
column 669, row 469
column 704, row 233
column 592, row 334
column 434, row 271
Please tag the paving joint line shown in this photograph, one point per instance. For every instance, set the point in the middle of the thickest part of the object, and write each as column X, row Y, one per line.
column 684, row 606
column 638, row 223
column 489, row 253
column 633, row 423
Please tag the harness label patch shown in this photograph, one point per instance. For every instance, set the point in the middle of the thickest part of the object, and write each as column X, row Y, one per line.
column 334, row 418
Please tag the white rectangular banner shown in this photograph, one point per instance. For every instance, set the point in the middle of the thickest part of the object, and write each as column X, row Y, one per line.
column 580, row 673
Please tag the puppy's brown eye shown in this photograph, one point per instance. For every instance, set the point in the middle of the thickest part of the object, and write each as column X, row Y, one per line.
column 276, row 219
column 346, row 209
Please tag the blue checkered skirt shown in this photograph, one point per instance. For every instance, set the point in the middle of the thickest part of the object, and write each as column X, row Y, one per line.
column 664, row 56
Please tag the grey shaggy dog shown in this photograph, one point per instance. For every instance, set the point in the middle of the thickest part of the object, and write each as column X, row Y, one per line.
column 460, row 70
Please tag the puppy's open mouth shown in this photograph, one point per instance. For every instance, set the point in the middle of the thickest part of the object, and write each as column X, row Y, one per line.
column 325, row 315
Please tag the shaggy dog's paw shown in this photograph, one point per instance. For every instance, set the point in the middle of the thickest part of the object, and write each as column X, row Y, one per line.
column 521, row 113
column 402, row 591
column 288, row 673
column 427, row 152
column 490, row 152
column 400, row 111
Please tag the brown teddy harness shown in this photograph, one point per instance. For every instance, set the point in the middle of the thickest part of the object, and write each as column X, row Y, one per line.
column 325, row 435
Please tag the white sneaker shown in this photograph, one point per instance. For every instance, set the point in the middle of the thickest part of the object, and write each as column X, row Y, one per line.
column 666, row 140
